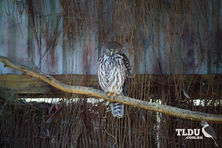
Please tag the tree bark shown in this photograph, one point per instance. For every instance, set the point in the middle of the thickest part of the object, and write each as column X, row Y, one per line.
column 169, row 110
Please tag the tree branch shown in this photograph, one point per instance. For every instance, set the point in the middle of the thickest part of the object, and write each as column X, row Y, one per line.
column 169, row 110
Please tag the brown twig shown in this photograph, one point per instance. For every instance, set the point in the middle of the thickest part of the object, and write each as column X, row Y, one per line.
column 169, row 110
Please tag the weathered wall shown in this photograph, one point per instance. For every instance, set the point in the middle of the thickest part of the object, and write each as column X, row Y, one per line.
column 160, row 37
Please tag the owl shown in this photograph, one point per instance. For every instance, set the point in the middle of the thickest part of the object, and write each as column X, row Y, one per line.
column 113, row 72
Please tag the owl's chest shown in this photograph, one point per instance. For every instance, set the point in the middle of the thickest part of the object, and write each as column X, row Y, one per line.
column 112, row 64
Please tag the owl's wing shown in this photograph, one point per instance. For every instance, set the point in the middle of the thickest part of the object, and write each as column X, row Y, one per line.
column 126, row 63
column 128, row 68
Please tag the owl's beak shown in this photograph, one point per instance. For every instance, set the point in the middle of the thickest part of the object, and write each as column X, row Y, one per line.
column 111, row 53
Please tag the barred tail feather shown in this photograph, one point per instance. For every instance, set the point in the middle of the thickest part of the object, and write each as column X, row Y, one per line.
column 117, row 109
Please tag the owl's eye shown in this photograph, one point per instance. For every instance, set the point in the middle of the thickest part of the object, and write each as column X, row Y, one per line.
column 105, row 51
column 108, row 51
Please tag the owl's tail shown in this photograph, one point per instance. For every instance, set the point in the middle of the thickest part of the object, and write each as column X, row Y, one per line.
column 117, row 109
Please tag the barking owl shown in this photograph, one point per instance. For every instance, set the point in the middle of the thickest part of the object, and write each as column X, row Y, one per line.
column 113, row 71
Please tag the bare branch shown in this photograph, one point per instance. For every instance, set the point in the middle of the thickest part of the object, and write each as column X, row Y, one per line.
column 169, row 110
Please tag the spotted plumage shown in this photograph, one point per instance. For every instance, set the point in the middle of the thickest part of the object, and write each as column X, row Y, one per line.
column 113, row 70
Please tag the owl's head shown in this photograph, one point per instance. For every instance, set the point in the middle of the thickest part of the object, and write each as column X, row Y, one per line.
column 111, row 47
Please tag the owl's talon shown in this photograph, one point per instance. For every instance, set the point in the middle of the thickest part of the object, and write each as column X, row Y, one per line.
column 109, row 94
